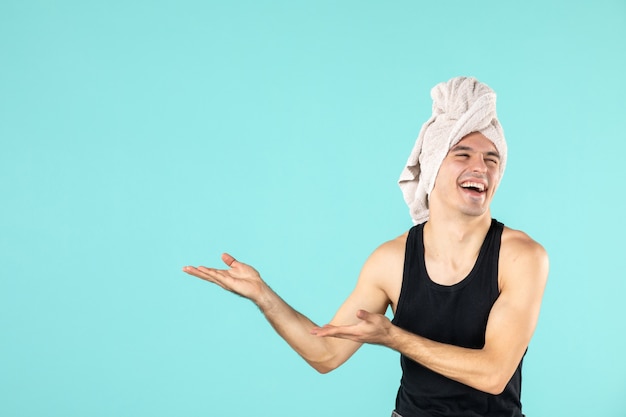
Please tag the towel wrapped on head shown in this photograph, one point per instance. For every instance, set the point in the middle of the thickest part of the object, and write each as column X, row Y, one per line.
column 461, row 106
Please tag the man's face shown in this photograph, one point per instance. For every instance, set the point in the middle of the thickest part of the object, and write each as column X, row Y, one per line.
column 468, row 176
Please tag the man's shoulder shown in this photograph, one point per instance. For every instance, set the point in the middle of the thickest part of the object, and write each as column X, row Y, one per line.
column 388, row 258
column 384, row 268
column 521, row 252
column 394, row 247
column 518, row 242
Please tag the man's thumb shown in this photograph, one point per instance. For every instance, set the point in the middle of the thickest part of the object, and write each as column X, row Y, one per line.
column 229, row 260
column 362, row 314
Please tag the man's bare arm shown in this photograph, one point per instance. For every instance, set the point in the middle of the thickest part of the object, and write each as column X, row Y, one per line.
column 322, row 354
column 510, row 326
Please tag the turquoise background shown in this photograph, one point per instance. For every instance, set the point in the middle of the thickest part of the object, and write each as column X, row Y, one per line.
column 140, row 136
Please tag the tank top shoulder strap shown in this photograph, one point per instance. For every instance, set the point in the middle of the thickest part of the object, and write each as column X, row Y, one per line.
column 413, row 251
column 489, row 255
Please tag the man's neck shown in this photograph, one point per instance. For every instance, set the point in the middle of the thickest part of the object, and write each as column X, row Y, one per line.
column 455, row 238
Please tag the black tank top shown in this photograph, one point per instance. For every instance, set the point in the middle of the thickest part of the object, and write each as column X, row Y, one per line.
column 457, row 315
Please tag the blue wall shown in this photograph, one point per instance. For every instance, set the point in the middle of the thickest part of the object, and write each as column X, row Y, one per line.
column 140, row 136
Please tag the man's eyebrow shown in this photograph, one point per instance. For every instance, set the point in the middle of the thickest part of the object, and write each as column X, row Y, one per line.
column 457, row 148
column 461, row 148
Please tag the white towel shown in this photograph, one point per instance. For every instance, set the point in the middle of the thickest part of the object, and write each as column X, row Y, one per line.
column 461, row 106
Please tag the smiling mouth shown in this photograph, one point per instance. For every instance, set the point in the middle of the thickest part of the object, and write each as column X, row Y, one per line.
column 474, row 186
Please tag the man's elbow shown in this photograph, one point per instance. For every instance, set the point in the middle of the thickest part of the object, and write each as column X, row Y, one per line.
column 324, row 367
column 495, row 389
column 496, row 383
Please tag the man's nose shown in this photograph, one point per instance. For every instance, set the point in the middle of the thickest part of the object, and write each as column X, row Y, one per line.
column 479, row 164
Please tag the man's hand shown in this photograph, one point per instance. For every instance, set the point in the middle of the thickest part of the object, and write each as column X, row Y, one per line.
column 371, row 328
column 322, row 354
column 355, row 322
column 240, row 278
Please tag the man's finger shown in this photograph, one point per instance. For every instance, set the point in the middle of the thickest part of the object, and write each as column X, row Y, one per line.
column 201, row 272
column 192, row 270
column 229, row 260
column 334, row 331
column 363, row 314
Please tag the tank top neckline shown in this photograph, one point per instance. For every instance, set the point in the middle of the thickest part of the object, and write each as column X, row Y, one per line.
column 469, row 277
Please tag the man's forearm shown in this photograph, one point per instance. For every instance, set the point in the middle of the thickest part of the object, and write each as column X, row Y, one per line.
column 474, row 367
column 482, row 369
column 295, row 329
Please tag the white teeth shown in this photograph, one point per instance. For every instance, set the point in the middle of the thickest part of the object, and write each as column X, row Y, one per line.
column 478, row 186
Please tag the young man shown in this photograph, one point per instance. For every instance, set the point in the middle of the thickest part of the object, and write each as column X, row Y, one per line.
column 465, row 290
